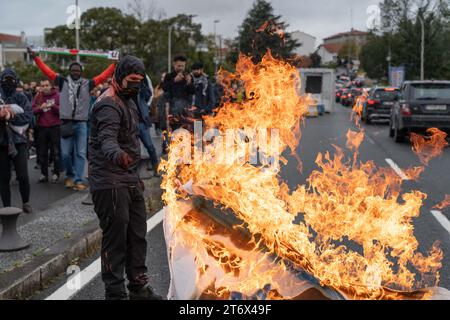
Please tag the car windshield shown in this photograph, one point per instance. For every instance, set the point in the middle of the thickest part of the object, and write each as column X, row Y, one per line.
column 430, row 91
column 385, row 95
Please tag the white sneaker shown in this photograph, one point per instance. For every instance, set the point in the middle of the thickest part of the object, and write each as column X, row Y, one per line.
column 55, row 178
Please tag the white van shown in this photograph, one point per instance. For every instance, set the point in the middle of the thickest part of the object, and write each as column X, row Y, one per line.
column 320, row 84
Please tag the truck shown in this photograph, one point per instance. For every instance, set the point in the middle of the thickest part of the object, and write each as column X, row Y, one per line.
column 319, row 83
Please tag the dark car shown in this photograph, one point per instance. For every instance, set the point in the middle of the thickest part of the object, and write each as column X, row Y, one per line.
column 379, row 103
column 422, row 105
column 346, row 97
column 338, row 94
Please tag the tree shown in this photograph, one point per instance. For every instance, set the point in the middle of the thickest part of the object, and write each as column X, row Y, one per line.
column 400, row 33
column 147, row 38
column 262, row 30
column 316, row 60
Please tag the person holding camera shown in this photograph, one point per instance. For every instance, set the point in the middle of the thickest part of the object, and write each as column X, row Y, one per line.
column 46, row 108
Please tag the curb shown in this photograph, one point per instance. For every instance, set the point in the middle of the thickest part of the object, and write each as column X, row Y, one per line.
column 24, row 281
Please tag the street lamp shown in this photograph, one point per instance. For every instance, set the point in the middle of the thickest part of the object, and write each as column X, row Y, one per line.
column 169, row 53
column 77, row 30
column 215, row 43
column 422, row 49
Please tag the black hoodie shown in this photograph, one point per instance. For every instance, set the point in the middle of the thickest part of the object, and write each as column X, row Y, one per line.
column 10, row 96
column 115, row 130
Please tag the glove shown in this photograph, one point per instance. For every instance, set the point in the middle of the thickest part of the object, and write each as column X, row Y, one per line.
column 31, row 53
column 125, row 160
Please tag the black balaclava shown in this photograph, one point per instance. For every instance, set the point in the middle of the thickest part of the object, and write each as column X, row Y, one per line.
column 75, row 78
column 9, row 82
column 128, row 65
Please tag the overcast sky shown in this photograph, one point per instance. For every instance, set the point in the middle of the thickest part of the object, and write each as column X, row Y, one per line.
column 319, row 18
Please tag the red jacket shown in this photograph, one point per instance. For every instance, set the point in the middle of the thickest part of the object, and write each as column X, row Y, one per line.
column 48, row 117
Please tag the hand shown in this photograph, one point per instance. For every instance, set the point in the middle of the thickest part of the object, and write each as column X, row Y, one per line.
column 142, row 184
column 43, row 106
column 9, row 114
column 125, row 160
column 188, row 79
column 3, row 113
column 31, row 53
column 179, row 77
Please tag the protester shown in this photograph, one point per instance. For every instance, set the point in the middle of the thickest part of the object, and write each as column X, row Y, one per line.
column 13, row 140
column 179, row 88
column 74, row 113
column 143, row 101
column 46, row 108
column 219, row 91
column 204, row 98
column 117, row 191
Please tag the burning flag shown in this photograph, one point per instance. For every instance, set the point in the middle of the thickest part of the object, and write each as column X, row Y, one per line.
column 444, row 204
column 345, row 202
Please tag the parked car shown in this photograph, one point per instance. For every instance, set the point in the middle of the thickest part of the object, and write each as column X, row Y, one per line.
column 379, row 103
column 421, row 105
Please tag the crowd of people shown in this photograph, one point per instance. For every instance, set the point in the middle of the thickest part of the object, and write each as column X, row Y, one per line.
column 57, row 114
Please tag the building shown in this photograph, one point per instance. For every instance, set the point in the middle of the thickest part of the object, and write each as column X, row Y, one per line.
column 332, row 45
column 12, row 48
column 307, row 41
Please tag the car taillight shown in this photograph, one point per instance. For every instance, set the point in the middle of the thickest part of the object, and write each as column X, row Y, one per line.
column 405, row 110
column 349, row 95
column 338, row 94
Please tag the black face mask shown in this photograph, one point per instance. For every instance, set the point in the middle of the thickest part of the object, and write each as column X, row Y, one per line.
column 132, row 89
column 9, row 86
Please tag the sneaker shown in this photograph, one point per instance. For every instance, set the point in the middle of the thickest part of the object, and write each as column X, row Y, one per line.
column 79, row 186
column 145, row 293
column 27, row 208
column 69, row 183
column 55, row 178
column 43, row 179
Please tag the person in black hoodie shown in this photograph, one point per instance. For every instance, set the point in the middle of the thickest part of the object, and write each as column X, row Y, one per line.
column 13, row 140
column 117, row 191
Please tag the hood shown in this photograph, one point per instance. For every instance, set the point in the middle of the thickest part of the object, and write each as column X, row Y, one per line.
column 126, row 66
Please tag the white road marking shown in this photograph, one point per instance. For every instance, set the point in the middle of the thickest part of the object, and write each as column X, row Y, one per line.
column 397, row 169
column 370, row 139
column 441, row 219
column 33, row 157
column 70, row 288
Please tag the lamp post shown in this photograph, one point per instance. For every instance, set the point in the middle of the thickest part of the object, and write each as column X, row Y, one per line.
column 422, row 49
column 77, row 29
column 215, row 45
column 169, row 51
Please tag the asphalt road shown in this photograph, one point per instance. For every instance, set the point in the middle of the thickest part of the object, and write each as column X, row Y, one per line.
column 318, row 136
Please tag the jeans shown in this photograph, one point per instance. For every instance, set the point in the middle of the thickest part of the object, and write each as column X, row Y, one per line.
column 20, row 162
column 146, row 139
column 122, row 216
column 49, row 138
column 74, row 151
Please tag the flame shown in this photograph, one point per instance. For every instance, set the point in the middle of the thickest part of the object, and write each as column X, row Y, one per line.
column 345, row 201
column 428, row 148
column 444, row 204
column 272, row 28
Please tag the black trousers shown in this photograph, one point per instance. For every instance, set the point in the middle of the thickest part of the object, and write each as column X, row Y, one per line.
column 122, row 215
column 20, row 163
column 49, row 139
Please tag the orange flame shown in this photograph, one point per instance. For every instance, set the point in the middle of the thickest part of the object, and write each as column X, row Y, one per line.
column 444, row 204
column 357, row 234
column 428, row 148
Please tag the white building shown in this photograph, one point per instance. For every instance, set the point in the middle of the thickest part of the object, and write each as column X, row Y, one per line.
column 328, row 52
column 308, row 43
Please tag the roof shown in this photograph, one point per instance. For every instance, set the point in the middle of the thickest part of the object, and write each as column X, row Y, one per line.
column 428, row 82
column 353, row 33
column 9, row 38
column 332, row 47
